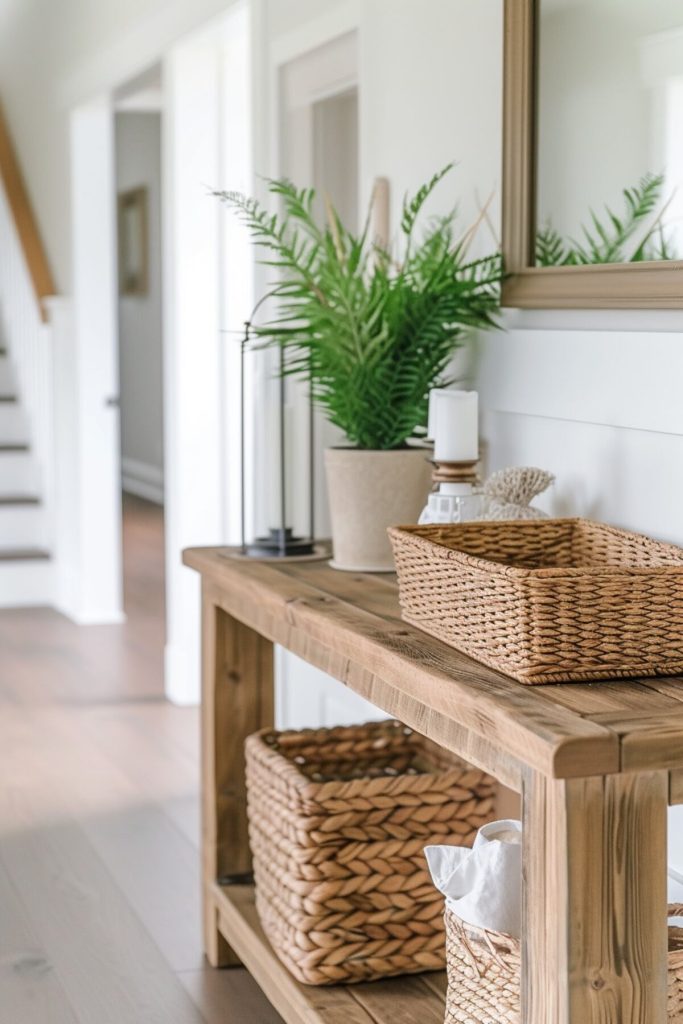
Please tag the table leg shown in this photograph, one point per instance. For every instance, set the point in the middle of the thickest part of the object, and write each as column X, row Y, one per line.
column 594, row 900
column 237, row 699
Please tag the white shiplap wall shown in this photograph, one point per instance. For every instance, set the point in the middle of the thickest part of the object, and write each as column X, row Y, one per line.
column 603, row 410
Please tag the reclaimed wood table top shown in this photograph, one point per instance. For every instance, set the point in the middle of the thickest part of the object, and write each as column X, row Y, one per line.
column 349, row 624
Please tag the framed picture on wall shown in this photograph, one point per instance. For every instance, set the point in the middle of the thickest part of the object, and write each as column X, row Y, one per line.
column 133, row 242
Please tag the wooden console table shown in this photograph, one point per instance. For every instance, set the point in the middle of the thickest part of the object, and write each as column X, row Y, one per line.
column 596, row 765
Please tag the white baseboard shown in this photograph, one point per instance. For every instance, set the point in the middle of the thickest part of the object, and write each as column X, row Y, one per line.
column 68, row 601
column 27, row 584
column 181, row 681
column 142, row 480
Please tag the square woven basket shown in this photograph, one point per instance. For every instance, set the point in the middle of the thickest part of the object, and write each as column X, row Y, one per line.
column 551, row 600
column 484, row 973
column 338, row 820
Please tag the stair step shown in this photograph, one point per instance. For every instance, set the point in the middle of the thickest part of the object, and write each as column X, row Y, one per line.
column 8, row 398
column 23, row 554
column 22, row 525
column 8, row 377
column 14, row 427
column 26, row 580
column 12, row 446
column 20, row 499
column 19, row 473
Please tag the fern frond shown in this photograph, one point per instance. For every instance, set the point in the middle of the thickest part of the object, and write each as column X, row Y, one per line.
column 412, row 207
column 371, row 338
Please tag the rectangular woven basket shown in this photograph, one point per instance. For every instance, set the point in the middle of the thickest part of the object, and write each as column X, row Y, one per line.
column 543, row 601
column 338, row 819
column 484, row 973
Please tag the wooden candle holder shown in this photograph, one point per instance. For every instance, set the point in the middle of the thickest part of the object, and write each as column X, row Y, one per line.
column 454, row 473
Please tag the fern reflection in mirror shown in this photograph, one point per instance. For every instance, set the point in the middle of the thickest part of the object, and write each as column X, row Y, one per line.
column 372, row 329
column 638, row 234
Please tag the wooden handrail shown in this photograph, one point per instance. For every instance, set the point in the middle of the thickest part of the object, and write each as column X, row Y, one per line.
column 24, row 220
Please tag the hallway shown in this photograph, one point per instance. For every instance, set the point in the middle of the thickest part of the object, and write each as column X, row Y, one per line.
column 99, row 871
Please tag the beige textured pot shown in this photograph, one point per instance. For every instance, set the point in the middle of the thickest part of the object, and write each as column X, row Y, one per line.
column 370, row 491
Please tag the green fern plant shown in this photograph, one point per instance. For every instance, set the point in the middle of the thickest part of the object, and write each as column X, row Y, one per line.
column 371, row 330
column 608, row 237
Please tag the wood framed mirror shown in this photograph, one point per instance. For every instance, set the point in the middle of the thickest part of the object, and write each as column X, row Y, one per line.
column 593, row 154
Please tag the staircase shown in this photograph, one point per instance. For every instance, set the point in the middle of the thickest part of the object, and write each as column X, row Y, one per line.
column 25, row 567
column 26, row 427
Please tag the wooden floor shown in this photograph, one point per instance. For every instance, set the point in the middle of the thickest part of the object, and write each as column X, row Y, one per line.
column 99, row 870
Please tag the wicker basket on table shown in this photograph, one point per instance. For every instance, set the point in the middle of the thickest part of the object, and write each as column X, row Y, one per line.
column 548, row 600
column 338, row 820
column 484, row 970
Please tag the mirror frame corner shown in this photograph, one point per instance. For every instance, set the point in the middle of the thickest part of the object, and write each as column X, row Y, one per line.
column 656, row 285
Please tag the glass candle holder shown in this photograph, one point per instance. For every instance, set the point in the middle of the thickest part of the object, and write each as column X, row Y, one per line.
column 457, row 497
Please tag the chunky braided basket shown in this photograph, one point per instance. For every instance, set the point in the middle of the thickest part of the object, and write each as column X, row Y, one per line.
column 546, row 601
column 338, row 819
column 484, row 970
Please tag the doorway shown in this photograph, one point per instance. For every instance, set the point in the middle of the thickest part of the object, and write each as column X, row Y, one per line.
column 138, row 184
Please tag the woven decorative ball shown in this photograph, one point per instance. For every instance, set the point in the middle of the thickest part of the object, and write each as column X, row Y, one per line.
column 338, row 820
column 484, row 970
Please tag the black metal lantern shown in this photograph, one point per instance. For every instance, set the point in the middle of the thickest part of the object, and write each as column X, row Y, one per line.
column 278, row 537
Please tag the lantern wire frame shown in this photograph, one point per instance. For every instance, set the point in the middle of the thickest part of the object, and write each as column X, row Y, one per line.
column 281, row 541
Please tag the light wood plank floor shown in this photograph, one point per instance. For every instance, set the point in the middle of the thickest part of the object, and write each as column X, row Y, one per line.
column 99, row 867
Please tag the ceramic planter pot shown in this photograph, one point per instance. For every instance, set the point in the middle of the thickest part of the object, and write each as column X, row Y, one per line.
column 370, row 491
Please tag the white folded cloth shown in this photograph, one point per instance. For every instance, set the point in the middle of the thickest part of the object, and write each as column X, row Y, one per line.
column 483, row 885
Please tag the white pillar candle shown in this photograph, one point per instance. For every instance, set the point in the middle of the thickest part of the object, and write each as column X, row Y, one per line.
column 456, row 426
column 431, row 418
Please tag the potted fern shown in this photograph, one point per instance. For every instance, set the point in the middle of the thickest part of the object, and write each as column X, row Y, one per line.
column 372, row 331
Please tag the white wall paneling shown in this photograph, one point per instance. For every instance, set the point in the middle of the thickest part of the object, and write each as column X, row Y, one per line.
column 208, row 119
column 307, row 698
column 601, row 410
column 606, row 377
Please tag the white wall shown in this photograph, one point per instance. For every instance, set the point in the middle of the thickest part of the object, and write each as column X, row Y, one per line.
column 138, row 164
column 430, row 84
column 429, row 73
column 54, row 56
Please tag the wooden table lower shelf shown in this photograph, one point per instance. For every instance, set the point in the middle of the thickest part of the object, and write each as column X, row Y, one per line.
column 419, row 998
column 596, row 765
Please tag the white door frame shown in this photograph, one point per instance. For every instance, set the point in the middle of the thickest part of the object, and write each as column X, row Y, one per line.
column 208, row 288
column 89, row 517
